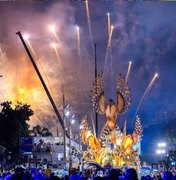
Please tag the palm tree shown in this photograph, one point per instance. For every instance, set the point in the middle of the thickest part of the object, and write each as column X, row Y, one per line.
column 40, row 131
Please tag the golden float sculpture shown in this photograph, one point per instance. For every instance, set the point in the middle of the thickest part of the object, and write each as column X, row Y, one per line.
column 113, row 147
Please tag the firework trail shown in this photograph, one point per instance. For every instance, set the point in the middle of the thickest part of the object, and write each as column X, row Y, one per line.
column 144, row 95
column 52, row 29
column 47, row 79
column 79, row 56
column 31, row 48
column 78, row 43
column 89, row 24
column 128, row 72
column 54, row 45
column 55, row 48
column 26, row 37
column 109, row 23
column 110, row 28
column 109, row 33
column 108, row 47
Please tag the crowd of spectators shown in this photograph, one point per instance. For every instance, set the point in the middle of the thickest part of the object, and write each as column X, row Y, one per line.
column 21, row 173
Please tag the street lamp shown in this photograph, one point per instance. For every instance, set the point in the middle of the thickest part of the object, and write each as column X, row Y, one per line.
column 79, row 141
column 65, row 107
column 161, row 150
column 71, row 121
column 67, row 113
column 162, row 144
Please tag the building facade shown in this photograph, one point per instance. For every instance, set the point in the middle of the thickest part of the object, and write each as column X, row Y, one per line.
column 50, row 150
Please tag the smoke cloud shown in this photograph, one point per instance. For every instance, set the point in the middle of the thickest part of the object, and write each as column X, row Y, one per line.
column 142, row 33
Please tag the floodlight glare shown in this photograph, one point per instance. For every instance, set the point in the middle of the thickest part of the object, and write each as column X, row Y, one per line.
column 73, row 121
column 162, row 144
column 67, row 113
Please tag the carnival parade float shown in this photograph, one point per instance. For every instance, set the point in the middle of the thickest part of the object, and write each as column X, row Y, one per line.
column 113, row 146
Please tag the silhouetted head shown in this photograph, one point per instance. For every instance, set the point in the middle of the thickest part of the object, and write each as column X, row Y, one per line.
column 143, row 178
column 114, row 174
column 167, row 175
column 19, row 170
column 97, row 178
column 148, row 177
column 131, row 174
column 55, row 178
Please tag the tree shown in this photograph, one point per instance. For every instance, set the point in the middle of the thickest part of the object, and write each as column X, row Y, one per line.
column 40, row 131
column 13, row 124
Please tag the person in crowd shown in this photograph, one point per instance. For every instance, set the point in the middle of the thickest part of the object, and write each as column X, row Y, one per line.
column 39, row 175
column 148, row 177
column 75, row 176
column 131, row 174
column 7, row 177
column 28, row 175
column 19, row 174
column 66, row 177
column 98, row 178
column 114, row 174
column 167, row 175
column 143, row 178
column 55, row 178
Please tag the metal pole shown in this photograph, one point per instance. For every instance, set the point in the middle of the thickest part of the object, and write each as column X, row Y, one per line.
column 79, row 139
column 64, row 128
column 42, row 81
column 70, row 163
column 96, row 114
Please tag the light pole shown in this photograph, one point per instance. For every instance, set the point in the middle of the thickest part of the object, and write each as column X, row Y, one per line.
column 161, row 150
column 162, row 144
column 80, row 146
column 65, row 106
column 70, row 114
column 66, row 113
column 71, row 121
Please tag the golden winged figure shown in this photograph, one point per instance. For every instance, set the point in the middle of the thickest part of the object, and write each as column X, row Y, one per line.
column 113, row 107
column 112, row 146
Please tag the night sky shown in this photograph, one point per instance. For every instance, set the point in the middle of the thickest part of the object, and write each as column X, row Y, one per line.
column 144, row 32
